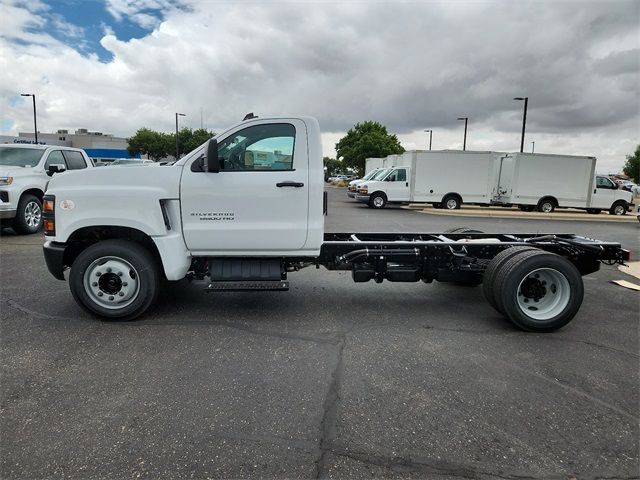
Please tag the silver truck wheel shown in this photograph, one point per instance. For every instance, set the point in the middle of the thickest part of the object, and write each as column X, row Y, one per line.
column 115, row 279
column 618, row 209
column 544, row 294
column 111, row 282
column 28, row 215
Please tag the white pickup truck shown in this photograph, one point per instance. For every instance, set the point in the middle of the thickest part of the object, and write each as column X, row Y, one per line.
column 25, row 171
column 247, row 208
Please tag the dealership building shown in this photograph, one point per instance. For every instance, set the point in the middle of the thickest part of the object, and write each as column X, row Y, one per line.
column 101, row 147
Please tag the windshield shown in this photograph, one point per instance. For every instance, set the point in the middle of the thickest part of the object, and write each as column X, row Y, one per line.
column 370, row 175
column 20, row 157
column 380, row 174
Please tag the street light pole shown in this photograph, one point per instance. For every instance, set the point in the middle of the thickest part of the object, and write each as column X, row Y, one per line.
column 464, row 143
column 177, row 150
column 524, row 120
column 430, row 137
column 35, row 122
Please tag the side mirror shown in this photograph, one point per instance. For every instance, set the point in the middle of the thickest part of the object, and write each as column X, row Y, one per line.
column 211, row 160
column 55, row 168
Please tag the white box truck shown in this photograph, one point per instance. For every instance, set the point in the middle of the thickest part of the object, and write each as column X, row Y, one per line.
column 546, row 182
column 372, row 164
column 446, row 178
column 190, row 222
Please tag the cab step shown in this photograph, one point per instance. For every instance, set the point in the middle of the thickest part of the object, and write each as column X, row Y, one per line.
column 248, row 285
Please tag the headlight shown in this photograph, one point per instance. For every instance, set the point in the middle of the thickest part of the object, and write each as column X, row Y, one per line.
column 6, row 180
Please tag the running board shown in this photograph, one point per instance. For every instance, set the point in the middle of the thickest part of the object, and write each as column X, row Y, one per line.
column 248, row 285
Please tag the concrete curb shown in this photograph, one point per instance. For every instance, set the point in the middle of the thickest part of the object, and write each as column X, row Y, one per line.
column 496, row 213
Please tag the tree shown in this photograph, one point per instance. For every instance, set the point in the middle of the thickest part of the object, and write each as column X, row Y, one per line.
column 159, row 145
column 364, row 140
column 332, row 165
column 155, row 145
column 632, row 168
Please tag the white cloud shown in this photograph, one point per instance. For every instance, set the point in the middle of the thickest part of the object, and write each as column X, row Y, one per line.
column 408, row 65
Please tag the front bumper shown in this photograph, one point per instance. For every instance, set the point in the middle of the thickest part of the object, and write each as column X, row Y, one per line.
column 362, row 198
column 54, row 258
column 4, row 214
column 351, row 194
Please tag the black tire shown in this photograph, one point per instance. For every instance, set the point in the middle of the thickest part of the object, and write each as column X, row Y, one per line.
column 494, row 266
column 378, row 200
column 28, row 218
column 546, row 205
column 559, row 298
column 451, row 202
column 144, row 273
column 594, row 211
column 462, row 230
column 619, row 208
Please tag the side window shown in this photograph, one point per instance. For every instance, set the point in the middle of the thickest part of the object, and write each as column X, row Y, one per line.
column 261, row 147
column 55, row 158
column 602, row 182
column 402, row 175
column 393, row 176
column 75, row 160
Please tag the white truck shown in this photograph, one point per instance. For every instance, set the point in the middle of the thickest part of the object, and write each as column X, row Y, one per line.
column 353, row 184
column 545, row 182
column 372, row 163
column 444, row 178
column 25, row 171
column 220, row 218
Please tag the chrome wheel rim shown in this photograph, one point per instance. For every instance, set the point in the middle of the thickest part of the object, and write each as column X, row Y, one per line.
column 543, row 294
column 547, row 207
column 32, row 214
column 619, row 210
column 451, row 204
column 378, row 201
column 111, row 282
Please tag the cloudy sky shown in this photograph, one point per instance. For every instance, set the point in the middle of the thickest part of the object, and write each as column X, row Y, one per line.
column 117, row 65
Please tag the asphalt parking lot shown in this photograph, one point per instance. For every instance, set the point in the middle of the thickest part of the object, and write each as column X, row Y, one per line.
column 329, row 380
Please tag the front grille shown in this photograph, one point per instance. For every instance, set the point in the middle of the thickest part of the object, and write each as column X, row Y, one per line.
column 4, row 196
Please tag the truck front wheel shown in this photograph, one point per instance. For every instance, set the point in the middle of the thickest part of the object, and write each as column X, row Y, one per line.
column 619, row 208
column 115, row 279
column 28, row 215
column 378, row 200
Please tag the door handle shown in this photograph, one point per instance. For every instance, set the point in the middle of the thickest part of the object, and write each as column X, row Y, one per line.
column 406, row 184
column 290, row 184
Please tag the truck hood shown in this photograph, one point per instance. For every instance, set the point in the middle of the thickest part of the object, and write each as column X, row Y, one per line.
column 14, row 171
column 130, row 182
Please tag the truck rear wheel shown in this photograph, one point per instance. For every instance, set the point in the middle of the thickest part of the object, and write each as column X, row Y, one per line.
column 28, row 215
column 378, row 200
column 451, row 202
column 494, row 266
column 115, row 279
column 619, row 208
column 538, row 291
column 546, row 205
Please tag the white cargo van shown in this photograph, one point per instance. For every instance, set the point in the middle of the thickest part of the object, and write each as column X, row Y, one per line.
column 353, row 184
column 371, row 164
column 545, row 182
column 444, row 178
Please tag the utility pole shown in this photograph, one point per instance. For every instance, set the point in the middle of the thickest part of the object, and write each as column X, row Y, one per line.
column 430, row 137
column 464, row 142
column 524, row 120
column 177, row 147
column 35, row 122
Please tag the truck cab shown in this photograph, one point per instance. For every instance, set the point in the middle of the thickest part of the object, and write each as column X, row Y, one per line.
column 392, row 187
column 607, row 195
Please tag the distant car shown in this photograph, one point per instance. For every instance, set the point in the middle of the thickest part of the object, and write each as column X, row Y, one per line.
column 25, row 171
column 627, row 185
column 129, row 161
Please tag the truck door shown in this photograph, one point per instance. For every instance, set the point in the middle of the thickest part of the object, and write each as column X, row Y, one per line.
column 505, row 177
column 604, row 193
column 259, row 200
column 397, row 187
